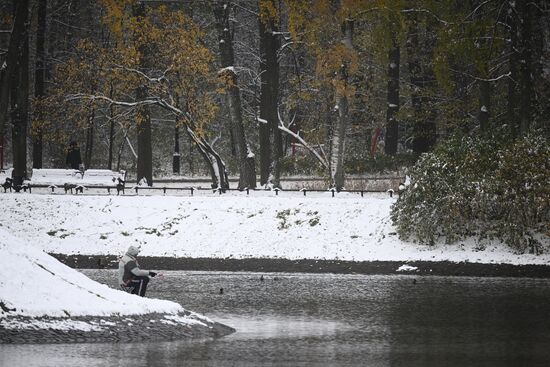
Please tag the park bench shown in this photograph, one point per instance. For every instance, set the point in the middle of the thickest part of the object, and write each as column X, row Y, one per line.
column 5, row 179
column 68, row 179
column 71, row 179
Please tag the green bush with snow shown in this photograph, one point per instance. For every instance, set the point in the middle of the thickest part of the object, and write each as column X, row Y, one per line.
column 481, row 187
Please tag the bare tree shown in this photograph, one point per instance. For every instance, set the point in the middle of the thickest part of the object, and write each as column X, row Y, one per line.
column 270, row 139
column 247, row 171
column 14, row 88
column 339, row 132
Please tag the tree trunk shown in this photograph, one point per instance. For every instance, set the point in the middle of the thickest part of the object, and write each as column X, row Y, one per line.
column 526, row 67
column 9, row 74
column 415, row 78
column 391, row 138
column 421, row 75
column 232, row 143
column 213, row 160
column 513, row 62
column 144, row 148
column 88, row 153
column 340, row 129
column 4, row 102
column 247, row 171
column 176, row 157
column 540, row 28
column 119, row 155
column 190, row 160
column 19, row 92
column 111, row 129
column 39, row 80
column 143, row 116
column 271, row 142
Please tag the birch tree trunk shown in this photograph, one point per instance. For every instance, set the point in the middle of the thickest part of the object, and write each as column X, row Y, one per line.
column 247, row 171
column 339, row 132
column 213, row 160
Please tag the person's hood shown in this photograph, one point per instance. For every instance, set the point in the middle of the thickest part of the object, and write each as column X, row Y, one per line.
column 133, row 251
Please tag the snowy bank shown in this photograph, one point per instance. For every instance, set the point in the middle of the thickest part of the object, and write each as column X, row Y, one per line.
column 42, row 300
column 35, row 284
column 262, row 225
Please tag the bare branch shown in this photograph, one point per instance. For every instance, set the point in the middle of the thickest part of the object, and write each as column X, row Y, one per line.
column 283, row 128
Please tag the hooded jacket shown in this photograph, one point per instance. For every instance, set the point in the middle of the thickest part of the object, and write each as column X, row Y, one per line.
column 128, row 267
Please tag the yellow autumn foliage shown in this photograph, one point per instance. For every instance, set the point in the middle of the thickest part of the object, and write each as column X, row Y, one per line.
column 159, row 52
column 268, row 12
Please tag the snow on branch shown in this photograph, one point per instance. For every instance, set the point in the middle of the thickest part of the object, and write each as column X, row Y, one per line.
column 507, row 75
column 227, row 68
column 142, row 74
column 92, row 97
column 296, row 136
column 128, row 139
column 261, row 120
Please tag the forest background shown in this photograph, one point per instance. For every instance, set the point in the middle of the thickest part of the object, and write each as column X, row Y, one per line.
column 266, row 87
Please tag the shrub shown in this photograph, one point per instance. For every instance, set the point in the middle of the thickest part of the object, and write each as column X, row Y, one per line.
column 482, row 187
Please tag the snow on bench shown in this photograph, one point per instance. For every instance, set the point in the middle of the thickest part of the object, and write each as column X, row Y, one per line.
column 105, row 178
column 50, row 176
column 70, row 179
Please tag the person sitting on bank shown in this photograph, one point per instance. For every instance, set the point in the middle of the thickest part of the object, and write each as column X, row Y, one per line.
column 130, row 275
column 73, row 156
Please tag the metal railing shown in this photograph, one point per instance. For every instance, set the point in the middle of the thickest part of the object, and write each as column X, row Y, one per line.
column 221, row 191
column 166, row 189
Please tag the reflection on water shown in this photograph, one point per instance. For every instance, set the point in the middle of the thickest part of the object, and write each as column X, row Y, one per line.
column 272, row 327
column 333, row 320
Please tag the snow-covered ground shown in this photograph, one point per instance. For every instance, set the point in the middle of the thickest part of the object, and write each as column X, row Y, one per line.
column 291, row 226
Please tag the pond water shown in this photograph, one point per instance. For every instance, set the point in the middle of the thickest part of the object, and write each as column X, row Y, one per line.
column 333, row 320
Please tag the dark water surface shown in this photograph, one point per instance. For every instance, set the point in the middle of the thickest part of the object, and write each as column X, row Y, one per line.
column 333, row 320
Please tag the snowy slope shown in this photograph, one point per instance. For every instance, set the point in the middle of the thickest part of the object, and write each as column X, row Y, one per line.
column 291, row 226
column 35, row 284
